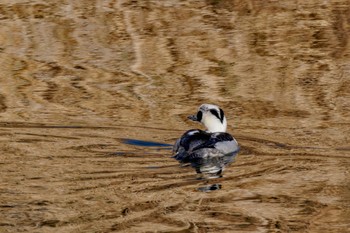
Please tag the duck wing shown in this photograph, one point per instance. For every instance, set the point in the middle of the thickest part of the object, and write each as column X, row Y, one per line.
column 189, row 140
column 194, row 138
column 223, row 142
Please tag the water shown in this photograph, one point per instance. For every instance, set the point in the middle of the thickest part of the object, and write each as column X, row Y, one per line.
column 80, row 81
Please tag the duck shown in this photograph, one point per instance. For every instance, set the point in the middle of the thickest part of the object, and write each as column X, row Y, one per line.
column 212, row 143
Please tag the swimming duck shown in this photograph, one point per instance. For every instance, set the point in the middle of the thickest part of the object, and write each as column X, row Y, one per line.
column 212, row 143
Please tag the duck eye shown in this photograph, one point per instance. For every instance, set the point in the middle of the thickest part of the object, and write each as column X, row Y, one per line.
column 199, row 116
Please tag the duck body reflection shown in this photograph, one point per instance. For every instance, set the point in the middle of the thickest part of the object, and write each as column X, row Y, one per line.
column 211, row 150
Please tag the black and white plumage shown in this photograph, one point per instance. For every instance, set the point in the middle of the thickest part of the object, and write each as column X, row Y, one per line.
column 197, row 144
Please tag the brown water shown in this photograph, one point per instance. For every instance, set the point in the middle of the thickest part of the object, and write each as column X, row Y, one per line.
column 78, row 77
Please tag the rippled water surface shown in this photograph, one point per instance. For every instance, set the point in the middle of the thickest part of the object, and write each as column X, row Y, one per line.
column 83, row 83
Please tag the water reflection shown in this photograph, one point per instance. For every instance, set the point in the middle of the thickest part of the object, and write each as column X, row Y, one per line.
column 212, row 167
column 209, row 188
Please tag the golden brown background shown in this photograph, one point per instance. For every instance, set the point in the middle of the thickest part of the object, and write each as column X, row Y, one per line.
column 76, row 77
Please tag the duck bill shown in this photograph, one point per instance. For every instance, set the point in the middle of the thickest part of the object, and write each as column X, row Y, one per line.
column 193, row 118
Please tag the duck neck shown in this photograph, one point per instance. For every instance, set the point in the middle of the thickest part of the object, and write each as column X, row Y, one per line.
column 216, row 128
